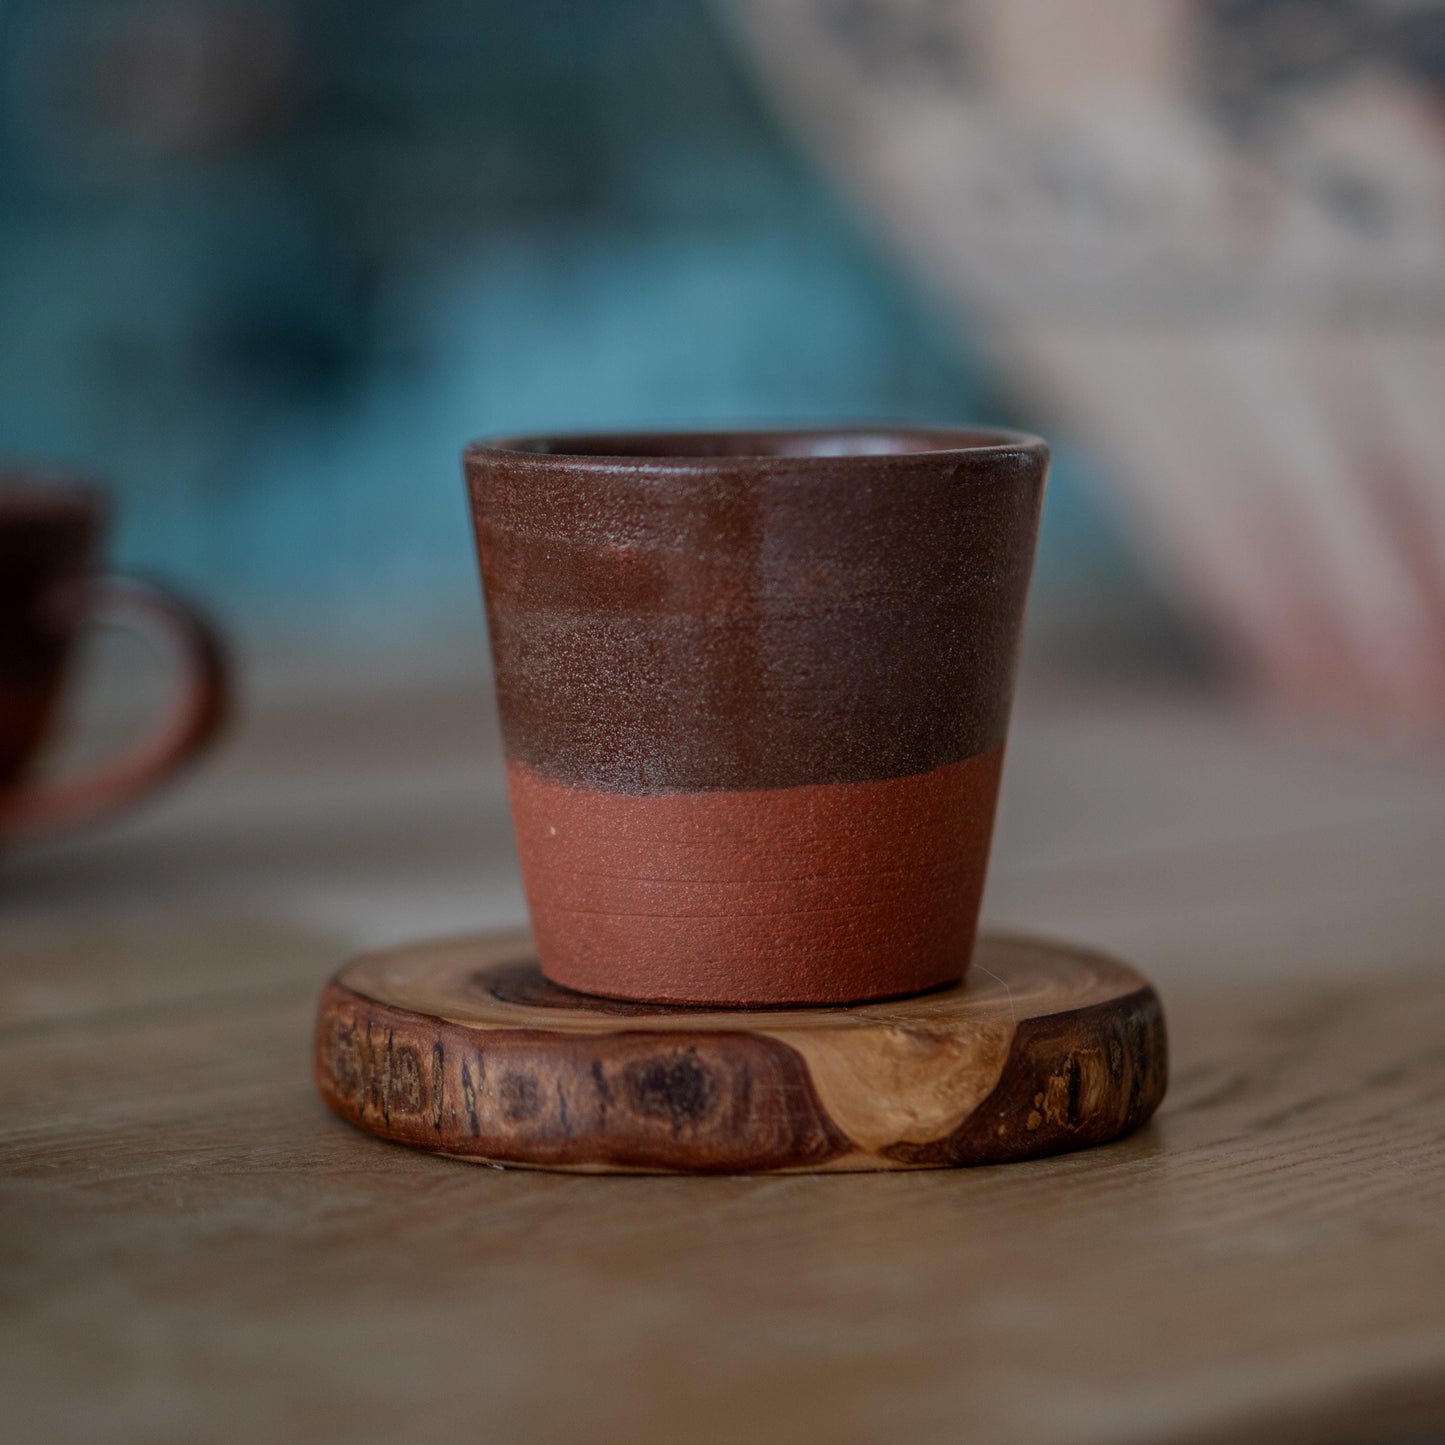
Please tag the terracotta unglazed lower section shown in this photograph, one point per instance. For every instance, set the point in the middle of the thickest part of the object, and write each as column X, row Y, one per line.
column 825, row 893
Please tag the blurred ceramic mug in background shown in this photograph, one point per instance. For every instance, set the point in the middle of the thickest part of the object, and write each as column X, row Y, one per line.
column 50, row 534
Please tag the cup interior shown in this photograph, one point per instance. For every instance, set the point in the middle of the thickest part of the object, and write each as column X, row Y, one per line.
column 762, row 445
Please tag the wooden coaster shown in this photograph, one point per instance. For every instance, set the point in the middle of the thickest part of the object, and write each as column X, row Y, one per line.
column 463, row 1048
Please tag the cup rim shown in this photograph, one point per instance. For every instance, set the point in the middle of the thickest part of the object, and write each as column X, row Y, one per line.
column 37, row 490
column 887, row 444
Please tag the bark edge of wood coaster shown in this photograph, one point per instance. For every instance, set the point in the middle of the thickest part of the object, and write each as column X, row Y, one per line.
column 461, row 1047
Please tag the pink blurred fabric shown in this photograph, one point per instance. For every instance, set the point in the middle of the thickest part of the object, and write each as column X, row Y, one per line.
column 1210, row 235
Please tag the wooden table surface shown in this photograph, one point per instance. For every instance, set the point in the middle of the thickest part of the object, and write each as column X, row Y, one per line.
column 194, row 1250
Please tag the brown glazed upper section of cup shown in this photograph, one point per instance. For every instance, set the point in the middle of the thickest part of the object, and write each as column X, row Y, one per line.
column 739, row 610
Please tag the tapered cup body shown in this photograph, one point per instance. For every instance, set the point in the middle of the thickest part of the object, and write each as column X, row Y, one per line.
column 754, row 691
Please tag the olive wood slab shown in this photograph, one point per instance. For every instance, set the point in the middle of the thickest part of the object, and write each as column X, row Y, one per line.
column 461, row 1047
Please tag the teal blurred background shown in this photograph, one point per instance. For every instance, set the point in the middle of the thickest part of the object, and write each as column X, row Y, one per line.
column 265, row 268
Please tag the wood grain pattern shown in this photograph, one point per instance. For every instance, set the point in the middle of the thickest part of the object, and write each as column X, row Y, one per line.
column 463, row 1048
column 194, row 1249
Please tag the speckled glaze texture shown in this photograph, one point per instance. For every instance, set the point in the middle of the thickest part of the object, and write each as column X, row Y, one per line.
column 754, row 689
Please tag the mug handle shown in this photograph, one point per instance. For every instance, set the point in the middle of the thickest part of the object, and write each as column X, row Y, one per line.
column 199, row 704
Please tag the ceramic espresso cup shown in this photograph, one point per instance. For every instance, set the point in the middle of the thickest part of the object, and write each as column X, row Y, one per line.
column 754, row 689
column 50, row 534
